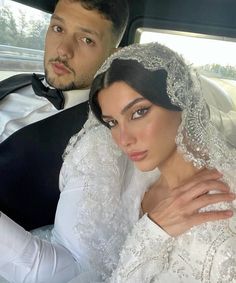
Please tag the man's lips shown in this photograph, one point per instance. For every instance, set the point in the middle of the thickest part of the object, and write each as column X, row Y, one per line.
column 137, row 155
column 60, row 68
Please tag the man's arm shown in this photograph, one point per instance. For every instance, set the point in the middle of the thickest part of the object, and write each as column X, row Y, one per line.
column 26, row 258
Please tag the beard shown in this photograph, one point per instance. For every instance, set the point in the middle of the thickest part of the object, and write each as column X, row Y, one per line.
column 71, row 85
column 63, row 87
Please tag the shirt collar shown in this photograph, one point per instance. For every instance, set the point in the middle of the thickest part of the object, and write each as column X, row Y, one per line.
column 73, row 97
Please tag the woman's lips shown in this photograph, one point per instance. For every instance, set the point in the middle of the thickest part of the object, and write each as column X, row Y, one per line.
column 137, row 155
column 60, row 69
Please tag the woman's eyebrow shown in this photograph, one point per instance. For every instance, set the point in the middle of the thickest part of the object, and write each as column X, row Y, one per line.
column 132, row 103
column 127, row 107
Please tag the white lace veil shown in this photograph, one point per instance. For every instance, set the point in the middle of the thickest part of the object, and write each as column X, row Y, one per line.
column 198, row 139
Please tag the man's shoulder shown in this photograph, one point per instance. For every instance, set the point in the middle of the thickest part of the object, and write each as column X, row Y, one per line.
column 20, row 78
column 16, row 82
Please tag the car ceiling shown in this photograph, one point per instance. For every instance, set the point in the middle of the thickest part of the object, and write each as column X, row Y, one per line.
column 214, row 17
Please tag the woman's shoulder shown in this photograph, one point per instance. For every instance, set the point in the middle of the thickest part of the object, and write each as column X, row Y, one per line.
column 93, row 144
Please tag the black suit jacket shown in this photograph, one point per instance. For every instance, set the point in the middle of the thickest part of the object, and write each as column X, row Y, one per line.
column 30, row 162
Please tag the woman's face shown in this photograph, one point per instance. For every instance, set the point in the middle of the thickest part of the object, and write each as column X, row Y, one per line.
column 143, row 130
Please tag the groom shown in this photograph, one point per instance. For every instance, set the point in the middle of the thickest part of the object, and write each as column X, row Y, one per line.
column 37, row 121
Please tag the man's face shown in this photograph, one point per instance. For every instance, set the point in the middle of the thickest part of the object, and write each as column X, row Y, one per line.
column 77, row 43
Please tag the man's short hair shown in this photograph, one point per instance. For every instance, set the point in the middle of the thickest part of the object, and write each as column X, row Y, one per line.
column 116, row 11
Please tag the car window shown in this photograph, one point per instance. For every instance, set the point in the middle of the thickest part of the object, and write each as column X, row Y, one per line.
column 22, row 37
column 213, row 57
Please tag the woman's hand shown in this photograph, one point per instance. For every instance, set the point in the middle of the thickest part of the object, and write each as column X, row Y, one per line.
column 180, row 210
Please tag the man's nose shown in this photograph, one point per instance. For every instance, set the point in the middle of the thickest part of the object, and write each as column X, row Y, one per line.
column 65, row 49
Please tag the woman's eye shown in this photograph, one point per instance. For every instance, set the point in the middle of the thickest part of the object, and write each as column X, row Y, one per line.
column 111, row 123
column 140, row 113
column 87, row 40
column 57, row 28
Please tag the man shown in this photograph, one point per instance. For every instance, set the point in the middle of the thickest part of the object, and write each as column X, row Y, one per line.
column 34, row 135
column 81, row 35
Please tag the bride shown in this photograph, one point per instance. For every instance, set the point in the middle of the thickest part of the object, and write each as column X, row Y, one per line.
column 153, row 105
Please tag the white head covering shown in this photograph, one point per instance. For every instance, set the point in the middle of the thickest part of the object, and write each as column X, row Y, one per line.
column 198, row 139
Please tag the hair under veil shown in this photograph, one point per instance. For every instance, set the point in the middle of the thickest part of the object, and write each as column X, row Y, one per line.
column 198, row 139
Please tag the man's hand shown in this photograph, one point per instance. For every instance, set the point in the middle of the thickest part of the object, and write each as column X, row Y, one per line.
column 180, row 210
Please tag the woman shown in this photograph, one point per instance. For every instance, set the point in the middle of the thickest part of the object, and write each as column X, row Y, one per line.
column 152, row 103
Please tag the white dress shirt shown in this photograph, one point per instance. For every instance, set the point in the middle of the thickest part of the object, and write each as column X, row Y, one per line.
column 23, row 107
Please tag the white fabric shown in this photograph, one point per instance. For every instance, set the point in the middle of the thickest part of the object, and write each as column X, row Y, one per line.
column 25, row 258
column 225, row 122
column 89, row 222
column 221, row 108
column 98, row 207
column 204, row 254
column 216, row 96
column 23, row 107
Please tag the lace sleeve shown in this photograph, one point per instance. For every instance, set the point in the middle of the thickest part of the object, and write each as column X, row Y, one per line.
column 90, row 220
column 145, row 254
column 224, row 263
column 99, row 202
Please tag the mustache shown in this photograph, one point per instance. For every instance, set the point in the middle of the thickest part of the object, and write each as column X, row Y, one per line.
column 62, row 61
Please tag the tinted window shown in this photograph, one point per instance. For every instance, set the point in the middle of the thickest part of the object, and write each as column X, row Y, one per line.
column 22, row 36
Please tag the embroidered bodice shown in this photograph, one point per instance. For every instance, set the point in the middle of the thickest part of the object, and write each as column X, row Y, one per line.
column 114, row 243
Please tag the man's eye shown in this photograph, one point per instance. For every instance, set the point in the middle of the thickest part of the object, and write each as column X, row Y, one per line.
column 140, row 113
column 57, row 28
column 87, row 40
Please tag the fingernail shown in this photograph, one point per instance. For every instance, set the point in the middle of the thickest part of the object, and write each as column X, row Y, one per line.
column 229, row 213
column 232, row 195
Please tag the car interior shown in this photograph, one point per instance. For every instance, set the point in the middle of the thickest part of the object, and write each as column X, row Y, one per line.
column 203, row 31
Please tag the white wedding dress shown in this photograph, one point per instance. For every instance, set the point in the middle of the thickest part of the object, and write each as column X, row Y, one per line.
column 105, row 194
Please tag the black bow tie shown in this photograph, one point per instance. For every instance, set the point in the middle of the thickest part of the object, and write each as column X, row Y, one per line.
column 55, row 96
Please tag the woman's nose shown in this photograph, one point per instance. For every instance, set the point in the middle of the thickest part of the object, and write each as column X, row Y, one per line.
column 126, row 137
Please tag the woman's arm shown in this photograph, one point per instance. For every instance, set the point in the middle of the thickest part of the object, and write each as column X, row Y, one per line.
column 90, row 209
column 147, row 249
column 223, row 261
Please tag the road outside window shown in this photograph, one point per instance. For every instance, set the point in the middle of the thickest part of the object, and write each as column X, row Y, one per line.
column 213, row 57
column 22, row 37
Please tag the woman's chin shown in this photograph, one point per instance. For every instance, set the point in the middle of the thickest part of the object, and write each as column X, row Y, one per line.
column 144, row 167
